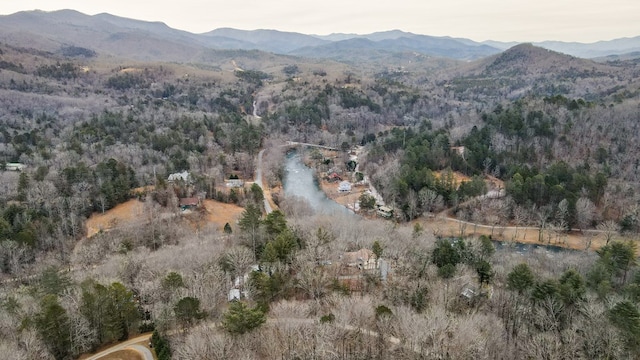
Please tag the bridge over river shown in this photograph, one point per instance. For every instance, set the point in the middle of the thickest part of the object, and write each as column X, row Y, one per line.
column 295, row 143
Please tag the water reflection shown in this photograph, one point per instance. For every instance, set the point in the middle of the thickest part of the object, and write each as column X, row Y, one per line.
column 523, row 248
column 299, row 181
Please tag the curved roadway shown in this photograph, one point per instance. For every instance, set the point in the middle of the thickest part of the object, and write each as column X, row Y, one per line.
column 132, row 344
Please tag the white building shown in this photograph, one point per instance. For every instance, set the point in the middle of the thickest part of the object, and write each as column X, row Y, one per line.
column 15, row 167
column 181, row 176
column 234, row 294
column 235, row 183
column 344, row 186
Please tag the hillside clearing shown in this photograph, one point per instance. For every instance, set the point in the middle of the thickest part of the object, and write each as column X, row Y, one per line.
column 219, row 213
column 125, row 213
column 130, row 213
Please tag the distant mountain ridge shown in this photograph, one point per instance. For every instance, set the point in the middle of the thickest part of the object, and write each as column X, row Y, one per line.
column 421, row 44
column 621, row 46
column 267, row 40
column 330, row 46
column 144, row 40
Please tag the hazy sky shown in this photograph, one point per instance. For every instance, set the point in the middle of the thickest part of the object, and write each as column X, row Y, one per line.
column 504, row 20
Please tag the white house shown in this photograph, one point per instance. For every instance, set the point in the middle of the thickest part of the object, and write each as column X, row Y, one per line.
column 234, row 294
column 181, row 176
column 15, row 166
column 344, row 186
column 235, row 183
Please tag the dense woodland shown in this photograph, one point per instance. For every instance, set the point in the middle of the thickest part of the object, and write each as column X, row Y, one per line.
column 91, row 129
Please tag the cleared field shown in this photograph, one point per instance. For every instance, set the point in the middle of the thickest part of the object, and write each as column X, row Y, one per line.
column 221, row 213
column 132, row 211
column 125, row 213
column 458, row 177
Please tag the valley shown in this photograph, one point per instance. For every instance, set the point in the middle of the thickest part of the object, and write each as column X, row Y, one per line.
column 274, row 195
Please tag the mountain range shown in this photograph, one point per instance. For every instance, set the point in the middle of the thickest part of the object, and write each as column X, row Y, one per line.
column 122, row 37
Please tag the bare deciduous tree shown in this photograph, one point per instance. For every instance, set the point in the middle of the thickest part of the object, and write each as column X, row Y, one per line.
column 237, row 261
column 585, row 211
column 610, row 229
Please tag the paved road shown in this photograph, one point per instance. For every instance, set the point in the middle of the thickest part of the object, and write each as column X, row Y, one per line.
column 258, row 180
column 131, row 344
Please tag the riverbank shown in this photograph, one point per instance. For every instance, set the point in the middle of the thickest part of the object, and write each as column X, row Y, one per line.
column 300, row 180
column 444, row 226
column 348, row 199
column 451, row 227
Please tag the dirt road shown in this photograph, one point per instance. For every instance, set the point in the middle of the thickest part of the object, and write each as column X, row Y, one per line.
column 450, row 227
column 136, row 344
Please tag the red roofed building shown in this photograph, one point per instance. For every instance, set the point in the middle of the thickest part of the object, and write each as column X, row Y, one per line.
column 189, row 203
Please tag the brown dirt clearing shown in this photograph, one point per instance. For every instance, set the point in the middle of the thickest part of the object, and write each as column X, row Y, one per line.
column 221, row 213
column 130, row 212
column 458, row 177
column 125, row 213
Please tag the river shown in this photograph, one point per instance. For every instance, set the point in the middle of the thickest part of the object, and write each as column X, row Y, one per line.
column 299, row 181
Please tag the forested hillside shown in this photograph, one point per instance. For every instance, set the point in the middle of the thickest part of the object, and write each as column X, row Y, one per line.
column 545, row 141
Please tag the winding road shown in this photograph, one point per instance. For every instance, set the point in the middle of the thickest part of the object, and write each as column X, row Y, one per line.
column 255, row 110
column 131, row 344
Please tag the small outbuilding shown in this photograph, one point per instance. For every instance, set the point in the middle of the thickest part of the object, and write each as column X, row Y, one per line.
column 333, row 177
column 235, row 183
column 344, row 186
column 234, row 295
column 189, row 203
column 385, row 212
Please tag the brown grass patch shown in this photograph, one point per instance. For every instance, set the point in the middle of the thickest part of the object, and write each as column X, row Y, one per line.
column 221, row 213
column 129, row 213
column 143, row 189
column 124, row 213
column 458, row 177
